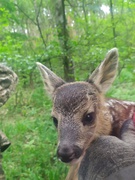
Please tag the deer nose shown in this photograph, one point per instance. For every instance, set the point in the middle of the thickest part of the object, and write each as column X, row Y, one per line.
column 67, row 154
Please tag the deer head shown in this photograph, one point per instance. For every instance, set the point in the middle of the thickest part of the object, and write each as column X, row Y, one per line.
column 79, row 111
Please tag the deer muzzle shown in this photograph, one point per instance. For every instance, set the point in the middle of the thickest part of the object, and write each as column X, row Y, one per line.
column 68, row 153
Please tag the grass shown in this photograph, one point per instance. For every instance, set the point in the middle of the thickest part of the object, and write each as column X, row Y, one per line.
column 32, row 155
column 25, row 119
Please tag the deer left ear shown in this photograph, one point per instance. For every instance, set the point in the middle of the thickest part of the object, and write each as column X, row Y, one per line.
column 50, row 80
column 104, row 75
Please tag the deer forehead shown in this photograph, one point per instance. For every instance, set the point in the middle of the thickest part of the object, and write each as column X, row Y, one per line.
column 74, row 96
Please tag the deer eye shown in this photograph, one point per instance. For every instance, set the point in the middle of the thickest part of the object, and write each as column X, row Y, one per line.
column 89, row 118
column 55, row 121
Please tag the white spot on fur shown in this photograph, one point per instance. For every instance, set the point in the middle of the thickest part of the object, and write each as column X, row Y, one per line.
column 114, row 102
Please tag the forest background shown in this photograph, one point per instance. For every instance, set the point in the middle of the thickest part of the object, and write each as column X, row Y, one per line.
column 71, row 38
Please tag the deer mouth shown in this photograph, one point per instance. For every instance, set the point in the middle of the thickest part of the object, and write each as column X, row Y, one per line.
column 69, row 155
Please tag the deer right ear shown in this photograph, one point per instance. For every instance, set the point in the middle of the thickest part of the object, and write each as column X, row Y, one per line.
column 104, row 75
column 50, row 80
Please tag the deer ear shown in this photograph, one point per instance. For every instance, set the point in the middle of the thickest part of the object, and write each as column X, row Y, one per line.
column 104, row 75
column 50, row 80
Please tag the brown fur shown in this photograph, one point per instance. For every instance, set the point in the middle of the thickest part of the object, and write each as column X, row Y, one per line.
column 74, row 102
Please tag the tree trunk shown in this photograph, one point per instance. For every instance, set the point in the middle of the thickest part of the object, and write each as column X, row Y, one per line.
column 113, row 24
column 63, row 36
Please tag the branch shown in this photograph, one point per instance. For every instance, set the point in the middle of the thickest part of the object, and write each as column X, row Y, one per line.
column 38, row 24
column 84, row 11
column 25, row 14
column 113, row 25
column 72, row 6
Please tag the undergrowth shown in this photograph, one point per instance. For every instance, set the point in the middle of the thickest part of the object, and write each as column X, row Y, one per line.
column 28, row 125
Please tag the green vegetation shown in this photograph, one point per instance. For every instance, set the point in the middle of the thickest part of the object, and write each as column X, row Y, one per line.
column 71, row 38
column 32, row 154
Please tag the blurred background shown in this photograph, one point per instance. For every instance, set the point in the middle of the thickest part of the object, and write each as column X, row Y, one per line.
column 71, row 38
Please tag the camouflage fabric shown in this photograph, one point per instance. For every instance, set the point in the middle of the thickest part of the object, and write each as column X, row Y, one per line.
column 4, row 144
column 2, row 176
column 8, row 81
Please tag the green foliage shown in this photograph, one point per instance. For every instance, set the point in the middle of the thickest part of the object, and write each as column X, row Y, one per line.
column 28, row 34
column 32, row 154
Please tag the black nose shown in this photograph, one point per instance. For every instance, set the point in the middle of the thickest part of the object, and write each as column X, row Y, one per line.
column 68, row 153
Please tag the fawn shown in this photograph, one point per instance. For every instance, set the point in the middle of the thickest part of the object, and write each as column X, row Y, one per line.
column 81, row 112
